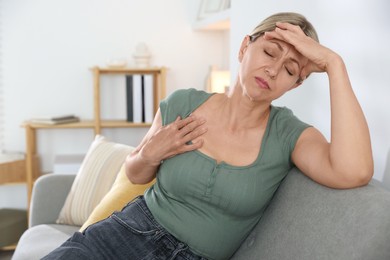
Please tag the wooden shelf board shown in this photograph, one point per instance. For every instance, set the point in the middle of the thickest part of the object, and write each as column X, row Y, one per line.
column 81, row 124
column 122, row 123
column 14, row 172
column 87, row 124
column 128, row 70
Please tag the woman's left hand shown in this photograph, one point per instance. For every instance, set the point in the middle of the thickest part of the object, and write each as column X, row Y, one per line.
column 346, row 161
column 318, row 55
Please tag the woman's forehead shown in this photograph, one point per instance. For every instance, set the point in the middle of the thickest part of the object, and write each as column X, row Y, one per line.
column 286, row 47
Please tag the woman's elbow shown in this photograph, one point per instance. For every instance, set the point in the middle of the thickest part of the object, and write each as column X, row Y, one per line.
column 361, row 176
column 366, row 175
column 361, row 172
column 129, row 172
column 137, row 172
column 366, row 171
column 364, row 178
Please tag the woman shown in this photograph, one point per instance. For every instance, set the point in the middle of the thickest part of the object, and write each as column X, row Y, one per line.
column 220, row 158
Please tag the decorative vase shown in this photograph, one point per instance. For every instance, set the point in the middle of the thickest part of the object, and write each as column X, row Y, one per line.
column 142, row 56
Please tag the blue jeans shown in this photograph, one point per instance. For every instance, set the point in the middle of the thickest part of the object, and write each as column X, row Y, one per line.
column 132, row 233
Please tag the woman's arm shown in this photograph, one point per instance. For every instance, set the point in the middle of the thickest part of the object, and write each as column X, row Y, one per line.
column 162, row 142
column 346, row 161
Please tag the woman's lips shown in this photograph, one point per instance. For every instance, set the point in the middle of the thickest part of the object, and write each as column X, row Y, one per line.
column 262, row 83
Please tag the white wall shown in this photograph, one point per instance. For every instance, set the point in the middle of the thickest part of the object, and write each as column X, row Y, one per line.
column 49, row 46
column 358, row 31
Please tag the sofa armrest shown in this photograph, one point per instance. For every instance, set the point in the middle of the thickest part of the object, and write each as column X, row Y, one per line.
column 306, row 220
column 48, row 197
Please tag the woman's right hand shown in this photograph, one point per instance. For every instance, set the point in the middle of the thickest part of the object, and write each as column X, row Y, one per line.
column 173, row 139
column 162, row 142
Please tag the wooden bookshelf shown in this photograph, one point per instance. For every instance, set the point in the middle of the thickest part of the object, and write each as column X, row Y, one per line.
column 159, row 91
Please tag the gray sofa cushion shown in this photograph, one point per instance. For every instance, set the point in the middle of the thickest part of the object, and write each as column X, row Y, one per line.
column 40, row 240
column 309, row 221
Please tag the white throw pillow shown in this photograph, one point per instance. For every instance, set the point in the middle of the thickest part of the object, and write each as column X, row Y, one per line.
column 94, row 179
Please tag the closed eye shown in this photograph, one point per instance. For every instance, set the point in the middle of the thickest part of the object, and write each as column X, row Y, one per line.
column 268, row 53
column 291, row 68
column 289, row 71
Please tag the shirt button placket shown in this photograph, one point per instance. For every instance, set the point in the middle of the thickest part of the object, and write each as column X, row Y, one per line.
column 212, row 178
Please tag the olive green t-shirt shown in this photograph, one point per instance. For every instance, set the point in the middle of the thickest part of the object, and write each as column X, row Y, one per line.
column 212, row 206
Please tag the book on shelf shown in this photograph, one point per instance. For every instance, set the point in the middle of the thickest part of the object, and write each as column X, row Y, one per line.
column 55, row 120
column 129, row 98
column 148, row 101
column 139, row 97
column 133, row 97
column 142, row 98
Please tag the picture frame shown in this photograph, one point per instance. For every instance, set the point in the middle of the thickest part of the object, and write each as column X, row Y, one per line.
column 210, row 7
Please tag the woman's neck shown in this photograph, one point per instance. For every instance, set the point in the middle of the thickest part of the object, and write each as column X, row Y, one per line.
column 238, row 112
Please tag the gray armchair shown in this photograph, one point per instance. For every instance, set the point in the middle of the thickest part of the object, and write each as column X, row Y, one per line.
column 43, row 234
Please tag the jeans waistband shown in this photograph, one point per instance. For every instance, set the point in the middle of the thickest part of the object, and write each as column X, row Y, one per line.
column 141, row 203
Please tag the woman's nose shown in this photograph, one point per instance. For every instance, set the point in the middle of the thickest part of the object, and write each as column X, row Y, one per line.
column 271, row 72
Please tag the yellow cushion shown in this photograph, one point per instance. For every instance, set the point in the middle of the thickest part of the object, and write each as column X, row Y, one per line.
column 121, row 192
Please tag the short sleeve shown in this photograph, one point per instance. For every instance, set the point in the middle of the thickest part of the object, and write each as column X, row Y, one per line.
column 181, row 103
column 289, row 129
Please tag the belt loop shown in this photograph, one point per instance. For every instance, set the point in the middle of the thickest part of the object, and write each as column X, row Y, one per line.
column 180, row 247
column 158, row 235
column 133, row 200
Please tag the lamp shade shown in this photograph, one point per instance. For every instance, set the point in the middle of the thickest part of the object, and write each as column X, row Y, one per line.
column 219, row 81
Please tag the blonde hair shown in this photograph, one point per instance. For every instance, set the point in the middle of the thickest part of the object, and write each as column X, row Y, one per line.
column 269, row 24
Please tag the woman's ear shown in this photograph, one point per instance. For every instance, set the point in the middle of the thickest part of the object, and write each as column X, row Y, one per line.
column 303, row 75
column 297, row 84
column 244, row 46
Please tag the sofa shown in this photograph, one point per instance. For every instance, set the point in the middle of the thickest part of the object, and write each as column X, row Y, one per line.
column 304, row 220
